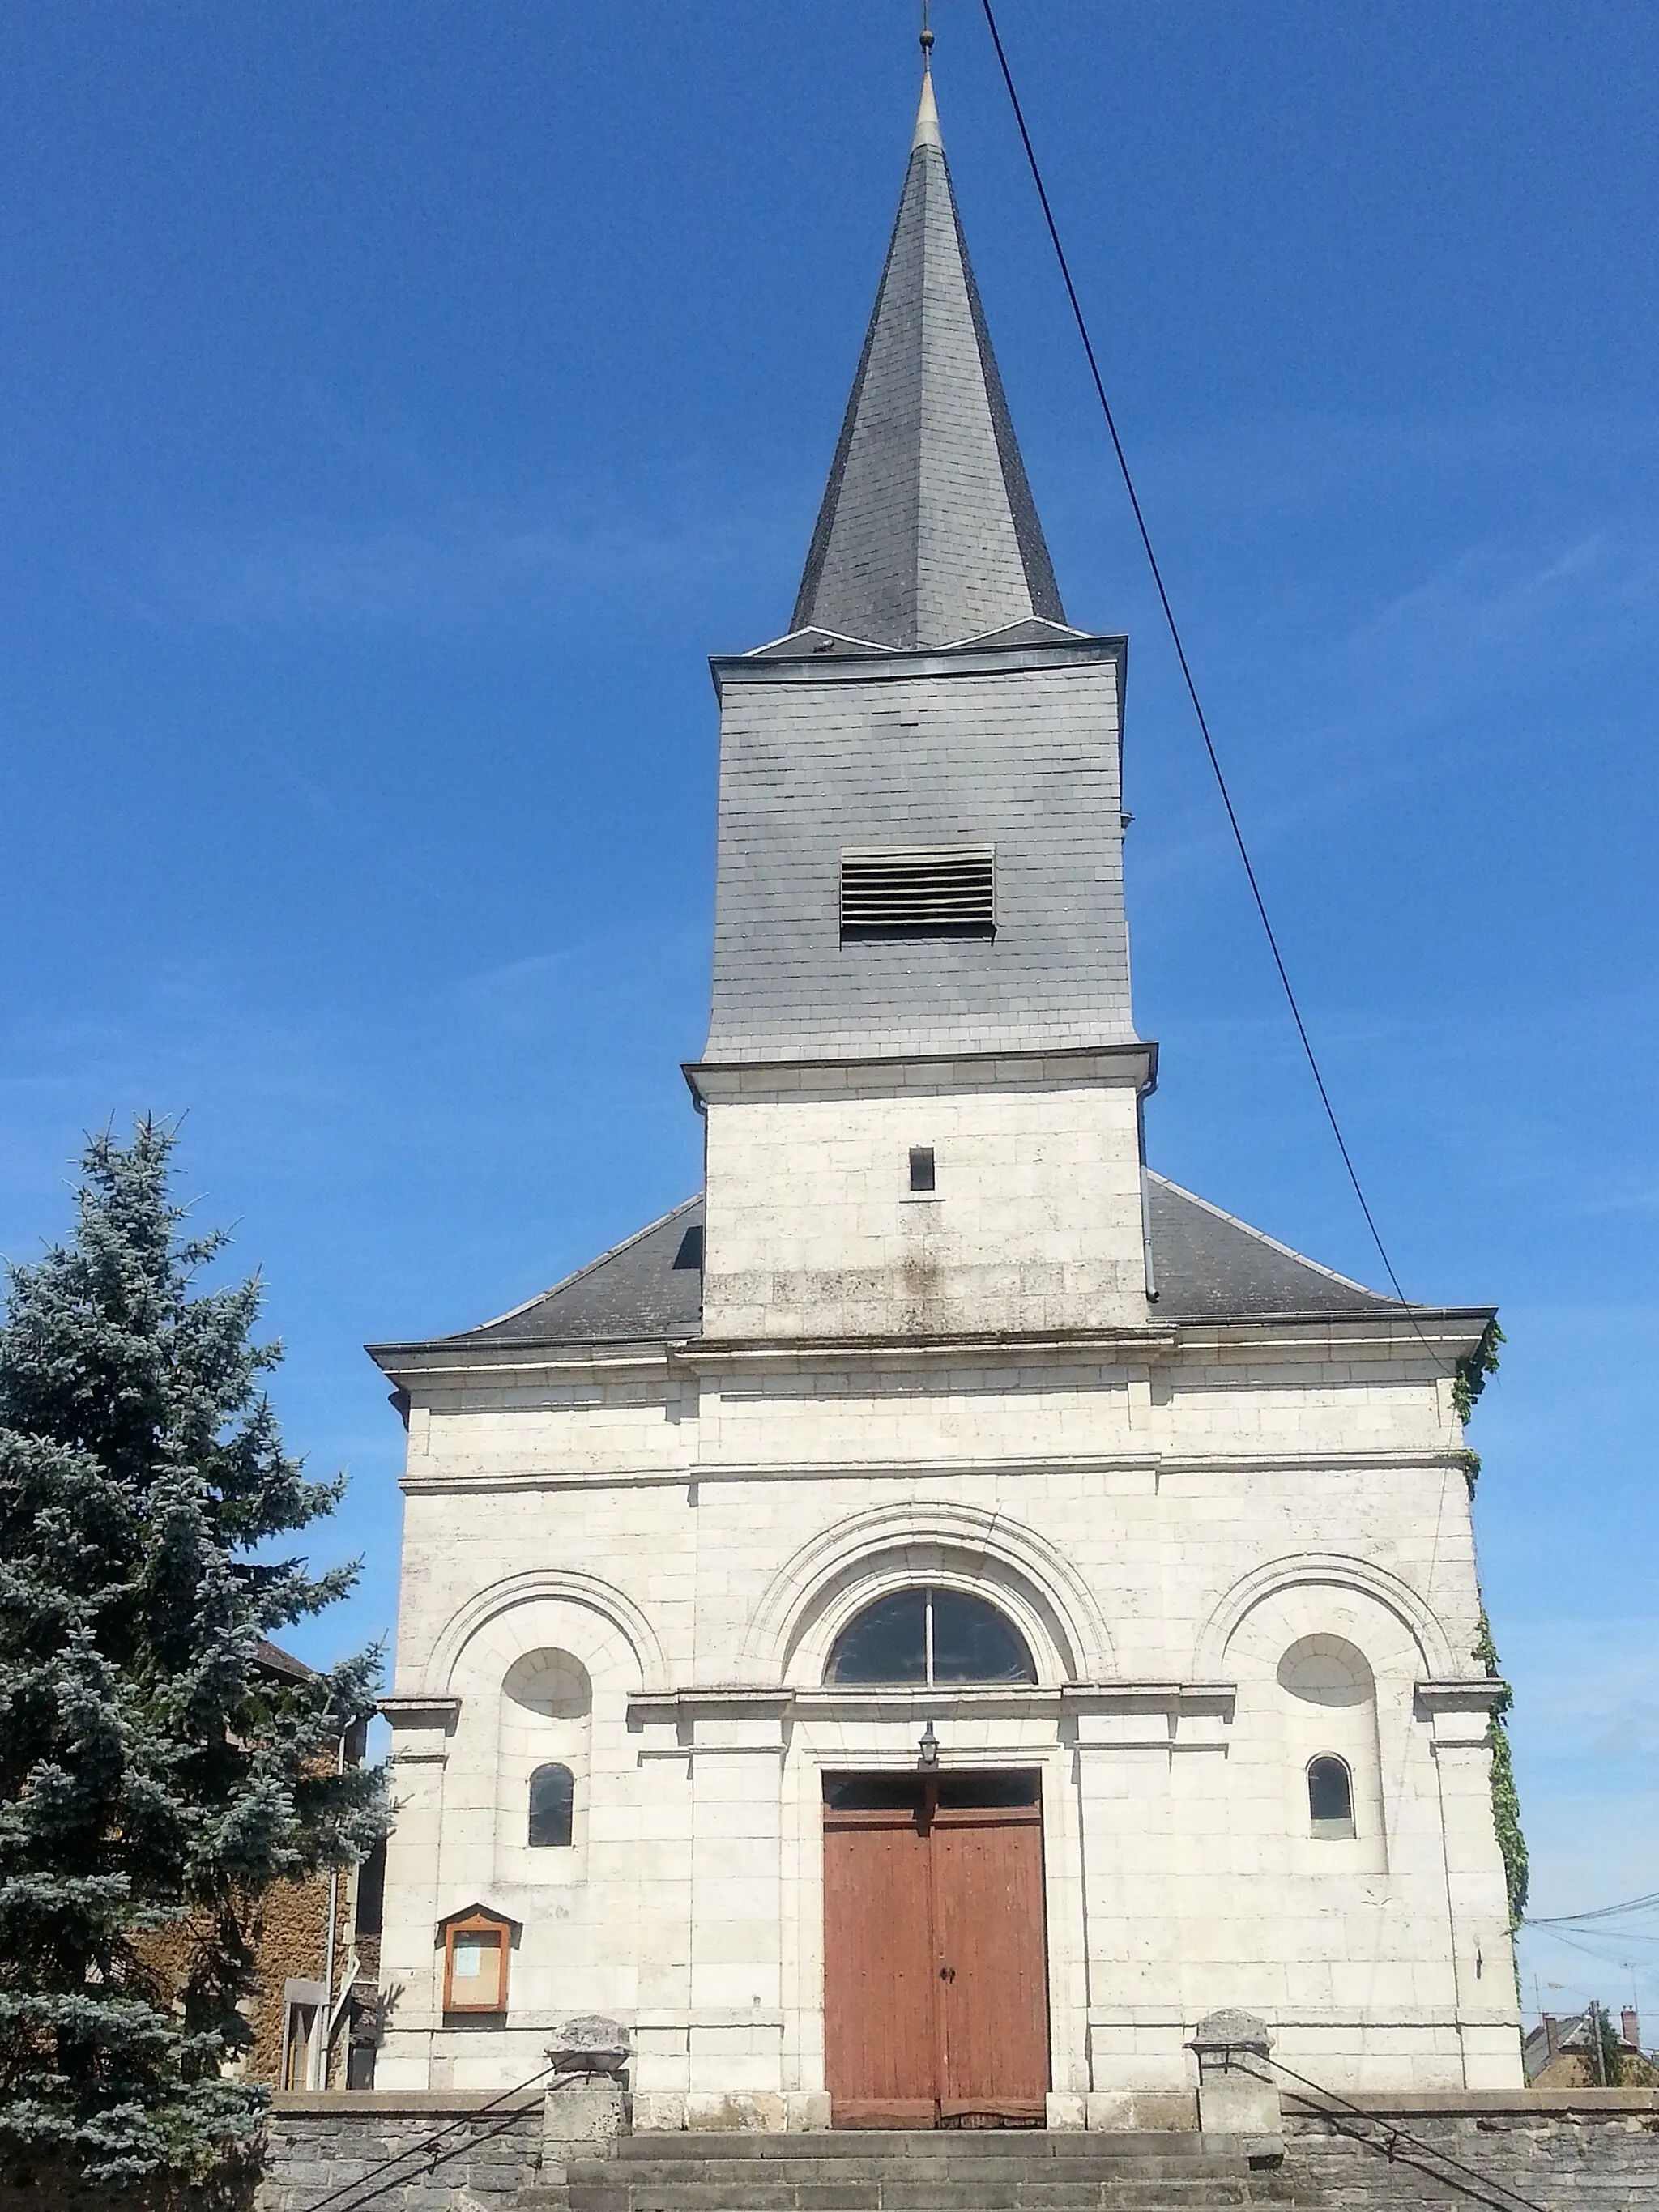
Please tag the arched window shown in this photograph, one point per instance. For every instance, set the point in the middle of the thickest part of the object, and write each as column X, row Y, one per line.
column 930, row 1636
column 552, row 1806
column 1330, row 1796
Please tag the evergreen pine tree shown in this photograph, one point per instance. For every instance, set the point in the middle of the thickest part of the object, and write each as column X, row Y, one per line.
column 152, row 1777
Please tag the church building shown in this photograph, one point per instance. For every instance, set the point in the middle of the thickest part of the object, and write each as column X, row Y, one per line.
column 912, row 1632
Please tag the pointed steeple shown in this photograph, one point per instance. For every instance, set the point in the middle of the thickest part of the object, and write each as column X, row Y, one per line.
column 927, row 533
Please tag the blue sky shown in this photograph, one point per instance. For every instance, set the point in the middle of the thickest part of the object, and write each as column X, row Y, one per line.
column 402, row 401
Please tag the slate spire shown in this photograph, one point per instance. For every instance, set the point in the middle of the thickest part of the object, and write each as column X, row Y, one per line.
column 927, row 533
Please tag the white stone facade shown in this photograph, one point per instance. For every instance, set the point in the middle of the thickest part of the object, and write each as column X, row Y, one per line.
column 1165, row 1516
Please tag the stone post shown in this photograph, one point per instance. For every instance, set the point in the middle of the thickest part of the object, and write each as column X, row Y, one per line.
column 1238, row 2095
column 586, row 2107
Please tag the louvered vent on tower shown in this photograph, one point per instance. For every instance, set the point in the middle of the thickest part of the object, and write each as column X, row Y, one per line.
column 918, row 890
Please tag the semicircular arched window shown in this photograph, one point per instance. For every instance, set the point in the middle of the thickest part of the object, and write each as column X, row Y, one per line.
column 552, row 1807
column 930, row 1636
column 1330, row 1796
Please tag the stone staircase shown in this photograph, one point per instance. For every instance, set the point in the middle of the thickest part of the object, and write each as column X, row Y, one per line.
column 947, row 2171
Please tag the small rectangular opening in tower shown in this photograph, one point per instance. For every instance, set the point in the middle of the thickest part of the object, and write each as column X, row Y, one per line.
column 922, row 1167
column 918, row 890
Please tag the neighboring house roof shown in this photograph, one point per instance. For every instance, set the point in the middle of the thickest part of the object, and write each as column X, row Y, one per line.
column 275, row 1661
column 1567, row 2035
column 1207, row 1267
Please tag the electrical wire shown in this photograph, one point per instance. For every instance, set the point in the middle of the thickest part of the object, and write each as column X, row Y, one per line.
column 1187, row 676
column 1650, row 1904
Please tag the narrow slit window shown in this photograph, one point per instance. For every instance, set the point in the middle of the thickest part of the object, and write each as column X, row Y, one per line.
column 1330, row 1797
column 918, row 890
column 922, row 1167
column 552, row 1808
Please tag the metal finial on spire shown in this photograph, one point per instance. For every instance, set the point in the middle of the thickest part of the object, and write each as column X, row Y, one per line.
column 927, row 133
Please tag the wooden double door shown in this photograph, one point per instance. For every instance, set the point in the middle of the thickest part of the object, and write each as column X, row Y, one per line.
column 936, row 1984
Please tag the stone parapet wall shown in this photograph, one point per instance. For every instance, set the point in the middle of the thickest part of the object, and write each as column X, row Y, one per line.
column 1588, row 2150
column 318, row 2144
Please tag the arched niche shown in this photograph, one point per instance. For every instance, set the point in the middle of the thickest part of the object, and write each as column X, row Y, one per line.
column 1320, row 1669
column 543, row 1774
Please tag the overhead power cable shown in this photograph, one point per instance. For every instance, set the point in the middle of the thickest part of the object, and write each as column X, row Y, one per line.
column 1649, row 1904
column 1181, row 656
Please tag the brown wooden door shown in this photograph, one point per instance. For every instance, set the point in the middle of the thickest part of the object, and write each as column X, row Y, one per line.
column 879, row 2012
column 988, row 1896
column 935, row 1969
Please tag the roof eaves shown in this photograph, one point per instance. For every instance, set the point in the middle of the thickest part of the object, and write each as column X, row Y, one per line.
column 462, row 1335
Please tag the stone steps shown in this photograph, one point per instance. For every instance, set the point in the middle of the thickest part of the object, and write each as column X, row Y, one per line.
column 971, row 2170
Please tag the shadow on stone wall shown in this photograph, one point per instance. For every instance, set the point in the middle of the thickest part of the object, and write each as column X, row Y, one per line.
column 42, row 2185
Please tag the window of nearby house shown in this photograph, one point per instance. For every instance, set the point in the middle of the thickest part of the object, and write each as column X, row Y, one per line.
column 476, row 1949
column 302, row 2012
column 371, row 1892
column 931, row 1636
column 918, row 890
column 922, row 1174
column 1330, row 1796
column 552, row 1806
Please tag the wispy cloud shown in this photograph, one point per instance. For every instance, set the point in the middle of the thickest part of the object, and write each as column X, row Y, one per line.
column 454, row 567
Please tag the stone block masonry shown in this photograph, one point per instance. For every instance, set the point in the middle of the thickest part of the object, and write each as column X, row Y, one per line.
column 424, row 2153
column 1584, row 2151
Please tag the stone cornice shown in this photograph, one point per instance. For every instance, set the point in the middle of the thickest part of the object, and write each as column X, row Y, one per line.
column 420, row 1712
column 715, row 1355
column 1439, row 1333
column 1430, row 1332
column 1120, row 1063
column 763, row 1711
column 1150, row 1464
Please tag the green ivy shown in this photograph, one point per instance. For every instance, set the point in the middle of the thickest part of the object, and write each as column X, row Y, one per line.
column 1469, row 1381
column 1505, row 1799
column 1469, row 1376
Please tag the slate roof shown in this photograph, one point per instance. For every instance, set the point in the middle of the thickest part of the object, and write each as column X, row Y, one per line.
column 927, row 533
column 642, row 1291
column 1208, row 1267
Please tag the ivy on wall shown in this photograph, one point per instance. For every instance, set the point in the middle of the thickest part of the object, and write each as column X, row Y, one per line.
column 1505, row 1799
column 1469, row 1381
column 1469, row 1375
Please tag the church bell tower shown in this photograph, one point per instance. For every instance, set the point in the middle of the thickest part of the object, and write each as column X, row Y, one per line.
column 922, row 1079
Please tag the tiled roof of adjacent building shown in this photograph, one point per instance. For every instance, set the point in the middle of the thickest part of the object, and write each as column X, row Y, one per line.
column 271, row 1659
column 1207, row 1265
